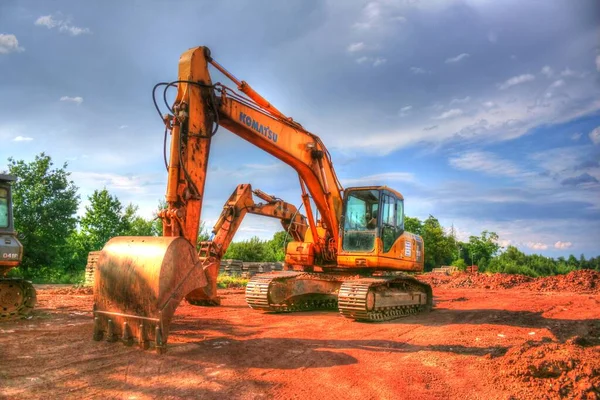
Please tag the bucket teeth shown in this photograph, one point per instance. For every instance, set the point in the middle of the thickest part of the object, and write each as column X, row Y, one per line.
column 127, row 338
column 110, row 332
column 98, row 333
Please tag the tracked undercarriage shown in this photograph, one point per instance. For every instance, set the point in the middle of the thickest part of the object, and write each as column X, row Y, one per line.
column 17, row 298
column 374, row 298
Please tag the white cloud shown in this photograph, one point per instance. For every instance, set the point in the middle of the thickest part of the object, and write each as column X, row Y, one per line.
column 598, row 62
column 489, row 104
column 375, row 62
column 123, row 126
column 418, row 70
column 374, row 17
column 516, row 80
column 455, row 112
column 404, row 111
column 354, row 47
column 9, row 44
column 458, row 58
column 547, row 71
column 568, row 73
column 74, row 30
column 576, row 136
column 536, row 245
column 595, row 135
column 52, row 22
column 562, row 245
column 22, row 139
column 377, row 179
column 95, row 180
column 77, row 100
column 48, row 21
column 557, row 84
column 379, row 61
column 362, row 25
column 486, row 162
column 460, row 101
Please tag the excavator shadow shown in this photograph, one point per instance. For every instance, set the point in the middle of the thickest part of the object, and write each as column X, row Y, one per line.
column 290, row 353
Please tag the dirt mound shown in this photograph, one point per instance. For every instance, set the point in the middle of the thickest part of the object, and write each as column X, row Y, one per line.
column 476, row 280
column 551, row 370
column 494, row 281
column 584, row 280
column 581, row 281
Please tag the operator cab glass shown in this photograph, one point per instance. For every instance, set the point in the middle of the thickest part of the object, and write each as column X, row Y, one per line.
column 3, row 208
column 369, row 214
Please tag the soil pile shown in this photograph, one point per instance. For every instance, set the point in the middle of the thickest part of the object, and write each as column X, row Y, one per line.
column 581, row 281
column 584, row 280
column 551, row 370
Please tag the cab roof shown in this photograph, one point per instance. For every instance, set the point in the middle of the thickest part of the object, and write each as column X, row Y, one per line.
column 7, row 178
column 394, row 192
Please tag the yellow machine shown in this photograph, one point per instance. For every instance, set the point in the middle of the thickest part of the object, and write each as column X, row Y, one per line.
column 354, row 257
column 17, row 296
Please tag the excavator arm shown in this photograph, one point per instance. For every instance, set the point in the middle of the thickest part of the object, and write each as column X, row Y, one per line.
column 240, row 203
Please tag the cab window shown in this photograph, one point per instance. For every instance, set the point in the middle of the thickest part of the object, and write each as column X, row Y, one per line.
column 360, row 220
column 392, row 220
column 3, row 208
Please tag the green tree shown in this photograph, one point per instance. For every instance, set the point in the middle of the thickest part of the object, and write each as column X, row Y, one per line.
column 134, row 225
column 277, row 246
column 460, row 264
column 482, row 248
column 248, row 250
column 439, row 247
column 104, row 218
column 413, row 225
column 45, row 203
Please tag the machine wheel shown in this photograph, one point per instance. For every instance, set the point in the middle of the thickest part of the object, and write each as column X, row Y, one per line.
column 17, row 298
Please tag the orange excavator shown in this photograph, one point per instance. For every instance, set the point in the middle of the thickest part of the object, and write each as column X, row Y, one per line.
column 354, row 257
column 237, row 206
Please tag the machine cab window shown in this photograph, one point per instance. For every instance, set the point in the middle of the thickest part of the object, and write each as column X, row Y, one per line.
column 369, row 214
column 3, row 208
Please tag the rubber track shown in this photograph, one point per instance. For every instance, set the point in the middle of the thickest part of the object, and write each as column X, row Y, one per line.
column 352, row 299
column 27, row 303
column 257, row 293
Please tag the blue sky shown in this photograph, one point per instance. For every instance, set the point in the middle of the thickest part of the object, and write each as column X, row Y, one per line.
column 485, row 114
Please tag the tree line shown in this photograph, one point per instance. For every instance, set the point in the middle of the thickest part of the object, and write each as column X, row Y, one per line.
column 56, row 240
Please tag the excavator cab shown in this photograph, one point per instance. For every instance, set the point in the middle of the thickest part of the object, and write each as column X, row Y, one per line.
column 373, row 233
column 371, row 213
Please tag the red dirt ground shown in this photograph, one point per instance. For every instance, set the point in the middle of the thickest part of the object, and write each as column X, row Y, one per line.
column 526, row 342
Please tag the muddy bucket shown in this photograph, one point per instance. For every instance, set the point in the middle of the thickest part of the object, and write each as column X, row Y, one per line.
column 139, row 282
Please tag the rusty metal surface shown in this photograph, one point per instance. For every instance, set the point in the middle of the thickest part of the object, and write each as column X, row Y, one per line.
column 139, row 282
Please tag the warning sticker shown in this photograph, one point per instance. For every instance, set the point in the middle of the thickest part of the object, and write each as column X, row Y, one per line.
column 407, row 248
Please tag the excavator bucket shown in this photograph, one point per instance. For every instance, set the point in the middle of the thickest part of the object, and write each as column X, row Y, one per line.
column 139, row 283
